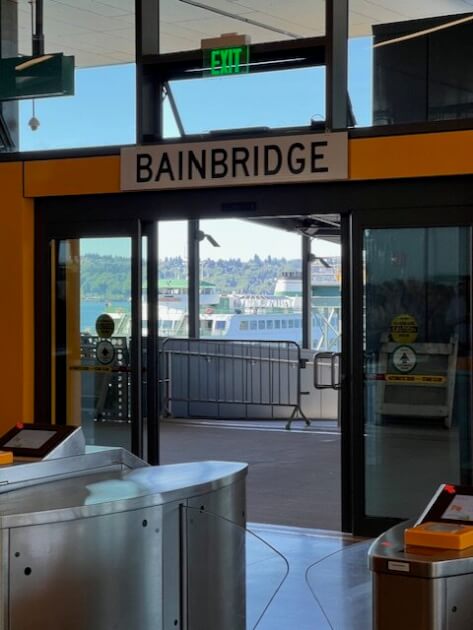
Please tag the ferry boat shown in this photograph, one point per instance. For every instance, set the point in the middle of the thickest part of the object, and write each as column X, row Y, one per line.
column 252, row 317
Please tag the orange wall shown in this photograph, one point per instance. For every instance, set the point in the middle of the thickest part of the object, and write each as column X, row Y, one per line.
column 390, row 157
column 369, row 158
column 17, row 304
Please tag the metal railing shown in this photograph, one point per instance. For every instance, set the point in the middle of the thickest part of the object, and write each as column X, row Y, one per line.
column 222, row 378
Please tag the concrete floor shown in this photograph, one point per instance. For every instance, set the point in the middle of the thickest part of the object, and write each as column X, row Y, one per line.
column 326, row 584
column 294, row 476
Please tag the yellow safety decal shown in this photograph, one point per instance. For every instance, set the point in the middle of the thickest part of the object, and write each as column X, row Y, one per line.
column 426, row 379
column 404, row 329
column 91, row 368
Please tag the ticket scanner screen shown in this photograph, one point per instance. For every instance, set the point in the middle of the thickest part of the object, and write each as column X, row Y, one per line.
column 34, row 440
column 450, row 504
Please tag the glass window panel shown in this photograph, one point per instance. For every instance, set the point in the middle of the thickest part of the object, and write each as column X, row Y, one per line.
column 102, row 112
column 92, row 336
column 417, row 365
column 173, row 320
column 249, row 277
column 418, row 59
column 297, row 97
column 326, row 300
column 183, row 25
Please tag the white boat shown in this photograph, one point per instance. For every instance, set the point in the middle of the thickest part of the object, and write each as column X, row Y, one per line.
column 252, row 317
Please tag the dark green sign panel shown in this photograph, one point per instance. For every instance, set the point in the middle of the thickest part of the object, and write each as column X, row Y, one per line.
column 36, row 77
column 221, row 62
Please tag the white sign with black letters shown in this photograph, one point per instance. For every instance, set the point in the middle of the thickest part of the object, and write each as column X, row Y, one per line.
column 237, row 162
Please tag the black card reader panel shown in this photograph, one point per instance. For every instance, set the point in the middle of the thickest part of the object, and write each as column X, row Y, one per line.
column 34, row 440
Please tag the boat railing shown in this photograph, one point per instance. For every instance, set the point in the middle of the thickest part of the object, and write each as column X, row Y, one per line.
column 221, row 378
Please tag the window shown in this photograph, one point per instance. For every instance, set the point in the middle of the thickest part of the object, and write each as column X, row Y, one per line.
column 291, row 323
column 277, row 324
column 253, row 325
column 220, row 324
column 284, row 323
column 269, row 324
column 261, row 324
column 244, row 325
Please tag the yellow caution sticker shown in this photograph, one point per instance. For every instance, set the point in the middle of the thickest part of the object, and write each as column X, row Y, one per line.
column 404, row 329
column 91, row 368
column 425, row 379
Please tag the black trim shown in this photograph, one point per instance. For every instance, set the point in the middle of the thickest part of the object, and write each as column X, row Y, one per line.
column 346, row 378
column 152, row 352
column 306, row 262
column 193, row 278
column 136, row 345
column 440, row 126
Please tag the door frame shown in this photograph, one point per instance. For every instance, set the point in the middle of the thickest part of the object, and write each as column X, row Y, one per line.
column 46, row 235
column 427, row 217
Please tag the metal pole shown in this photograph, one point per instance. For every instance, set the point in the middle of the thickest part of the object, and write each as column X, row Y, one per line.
column 152, row 354
column 193, row 273
column 38, row 35
column 306, row 293
column 136, row 344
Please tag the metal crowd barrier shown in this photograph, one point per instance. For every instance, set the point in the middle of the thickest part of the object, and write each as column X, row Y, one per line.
column 225, row 378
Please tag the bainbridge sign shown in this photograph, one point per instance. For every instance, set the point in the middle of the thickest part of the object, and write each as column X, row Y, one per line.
column 237, row 162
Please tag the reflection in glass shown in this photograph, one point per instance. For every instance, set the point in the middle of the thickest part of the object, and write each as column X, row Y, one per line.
column 92, row 328
column 242, row 570
column 173, row 283
column 297, row 97
column 417, row 365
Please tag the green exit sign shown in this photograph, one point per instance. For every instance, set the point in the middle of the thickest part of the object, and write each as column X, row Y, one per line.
column 221, row 62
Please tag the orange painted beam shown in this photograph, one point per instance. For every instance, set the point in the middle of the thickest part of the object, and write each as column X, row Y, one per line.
column 421, row 155
column 72, row 176
column 17, row 312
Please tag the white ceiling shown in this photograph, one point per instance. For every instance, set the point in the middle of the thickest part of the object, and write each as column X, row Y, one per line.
column 102, row 32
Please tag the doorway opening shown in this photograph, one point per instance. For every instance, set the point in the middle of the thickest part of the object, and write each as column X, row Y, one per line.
column 243, row 309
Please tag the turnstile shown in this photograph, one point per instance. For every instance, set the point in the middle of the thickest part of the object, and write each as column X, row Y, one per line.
column 101, row 540
column 420, row 588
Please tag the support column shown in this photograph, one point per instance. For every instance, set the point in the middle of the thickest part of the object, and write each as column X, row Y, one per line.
column 306, row 293
column 149, row 91
column 336, row 20
column 193, row 272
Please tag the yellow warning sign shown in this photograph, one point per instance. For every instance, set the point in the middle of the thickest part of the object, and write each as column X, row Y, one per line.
column 425, row 379
column 91, row 368
column 404, row 329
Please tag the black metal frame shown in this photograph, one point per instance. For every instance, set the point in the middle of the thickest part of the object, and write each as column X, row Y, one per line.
column 156, row 70
column 45, row 238
column 428, row 216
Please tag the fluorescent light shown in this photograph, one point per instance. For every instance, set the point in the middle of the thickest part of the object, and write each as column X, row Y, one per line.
column 426, row 31
column 32, row 62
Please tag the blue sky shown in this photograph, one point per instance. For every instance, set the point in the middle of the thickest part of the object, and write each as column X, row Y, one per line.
column 102, row 112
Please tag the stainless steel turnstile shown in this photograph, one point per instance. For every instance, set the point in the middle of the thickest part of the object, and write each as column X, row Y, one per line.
column 101, row 540
column 420, row 588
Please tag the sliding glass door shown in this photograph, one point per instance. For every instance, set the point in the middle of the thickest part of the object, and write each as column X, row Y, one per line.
column 97, row 332
column 412, row 355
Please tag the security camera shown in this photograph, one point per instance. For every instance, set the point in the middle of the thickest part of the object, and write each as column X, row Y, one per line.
column 33, row 123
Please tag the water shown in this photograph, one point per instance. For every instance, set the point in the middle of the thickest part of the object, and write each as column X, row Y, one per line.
column 90, row 310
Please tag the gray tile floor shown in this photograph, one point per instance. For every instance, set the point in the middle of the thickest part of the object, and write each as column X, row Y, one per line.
column 327, row 586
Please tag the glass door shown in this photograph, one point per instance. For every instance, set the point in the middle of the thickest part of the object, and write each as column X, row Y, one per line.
column 98, row 358
column 412, row 367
